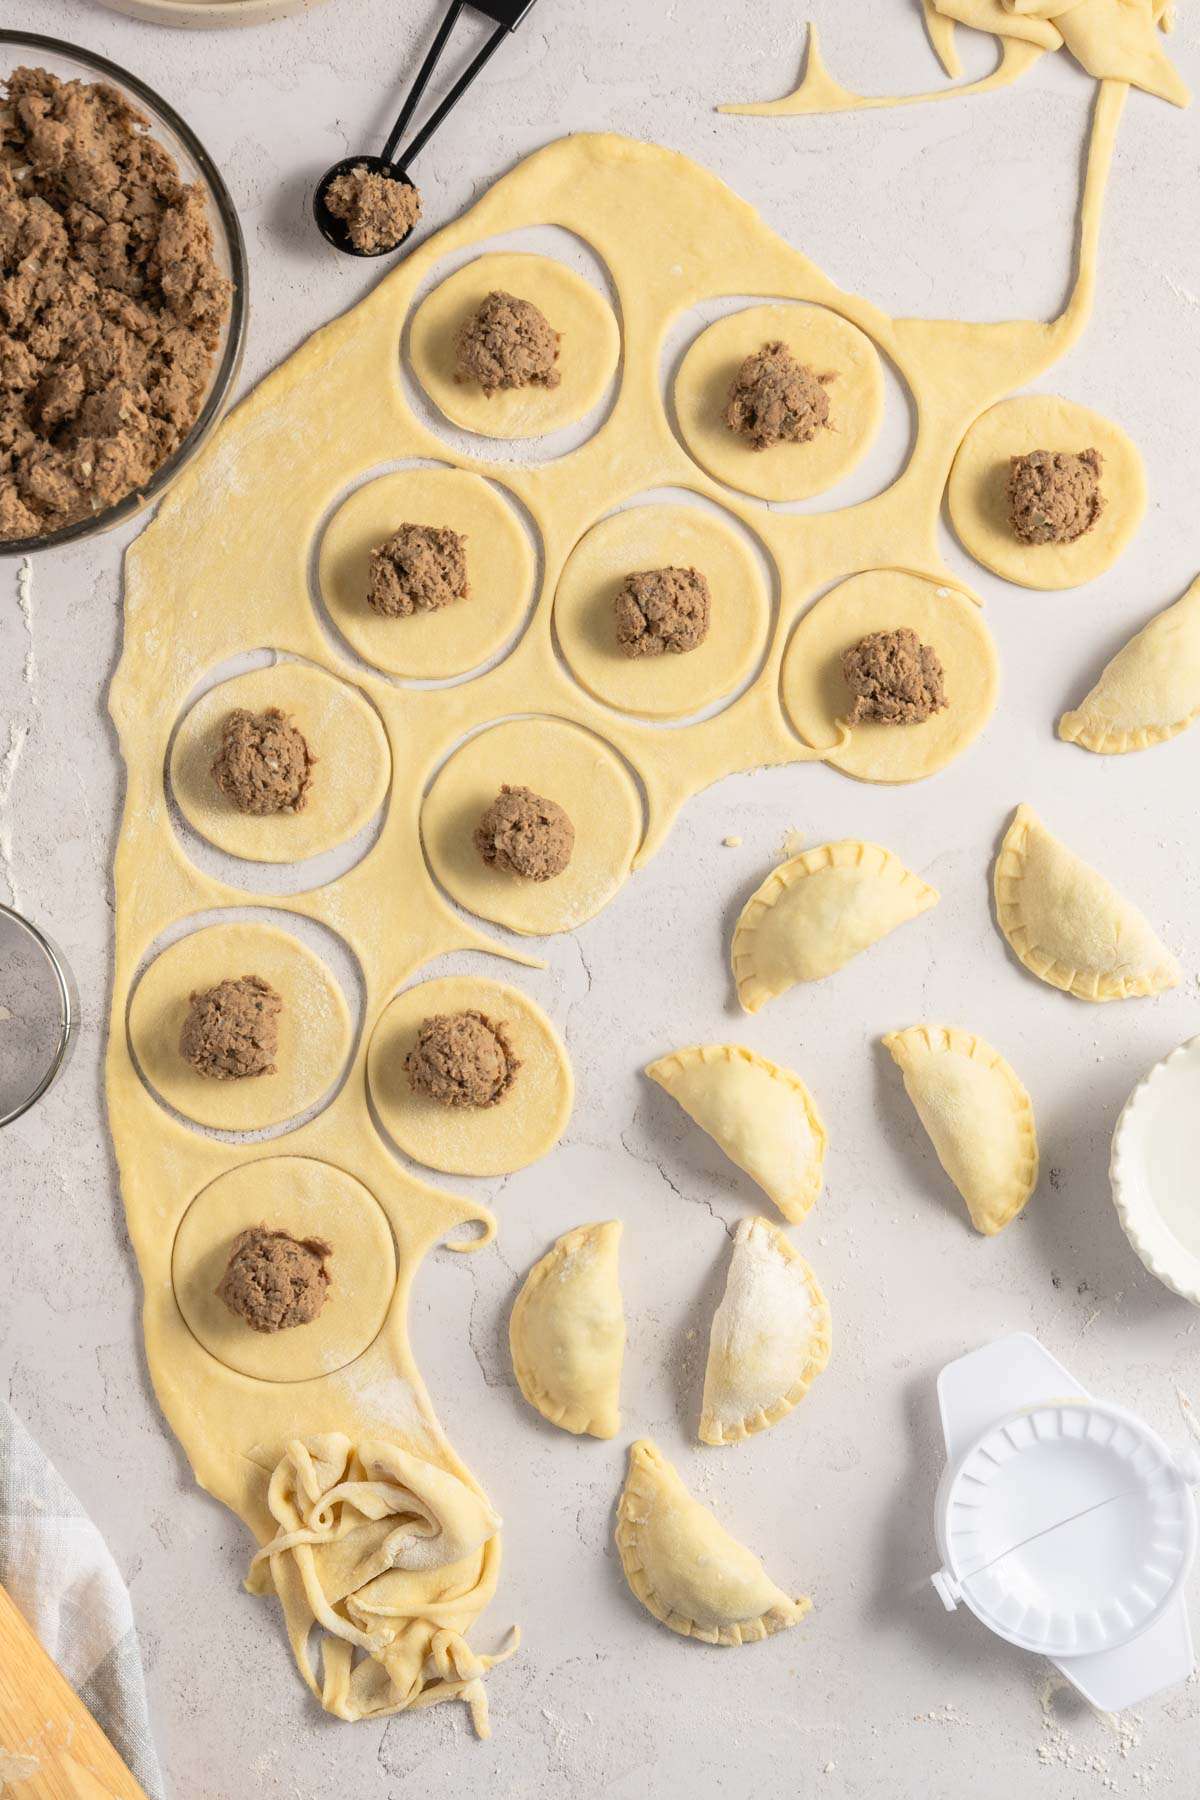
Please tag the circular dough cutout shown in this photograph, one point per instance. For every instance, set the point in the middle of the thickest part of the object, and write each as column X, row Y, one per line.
column 315, row 1027
column 455, row 638
column 308, row 1199
column 469, row 1140
column 978, row 491
column 587, row 357
column 816, row 696
column 656, row 537
column 561, row 762
column 827, row 344
column 349, row 783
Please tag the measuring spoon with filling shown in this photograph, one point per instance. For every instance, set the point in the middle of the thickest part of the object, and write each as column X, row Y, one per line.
column 506, row 15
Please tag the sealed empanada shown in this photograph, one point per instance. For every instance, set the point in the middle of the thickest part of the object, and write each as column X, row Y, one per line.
column 770, row 1336
column 567, row 1332
column 1068, row 925
column 762, row 1116
column 1150, row 691
column 816, row 911
column 686, row 1569
column 978, row 1116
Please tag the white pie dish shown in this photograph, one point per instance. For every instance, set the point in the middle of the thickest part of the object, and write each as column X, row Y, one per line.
column 1155, row 1170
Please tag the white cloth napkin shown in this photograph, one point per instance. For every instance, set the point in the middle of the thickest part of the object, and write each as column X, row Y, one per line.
column 59, row 1571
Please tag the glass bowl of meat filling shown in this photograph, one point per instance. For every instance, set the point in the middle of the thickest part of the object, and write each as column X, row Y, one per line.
column 122, row 294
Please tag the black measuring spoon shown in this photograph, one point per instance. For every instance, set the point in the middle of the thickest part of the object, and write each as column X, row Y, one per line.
column 507, row 15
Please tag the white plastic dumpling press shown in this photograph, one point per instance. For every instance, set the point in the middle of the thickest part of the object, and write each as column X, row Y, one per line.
column 1064, row 1523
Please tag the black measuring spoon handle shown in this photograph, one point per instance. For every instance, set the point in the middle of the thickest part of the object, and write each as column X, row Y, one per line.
column 508, row 14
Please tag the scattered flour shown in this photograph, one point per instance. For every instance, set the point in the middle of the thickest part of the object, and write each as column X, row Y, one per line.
column 1058, row 1749
column 1188, row 1414
column 25, row 602
column 15, row 1769
column 792, row 844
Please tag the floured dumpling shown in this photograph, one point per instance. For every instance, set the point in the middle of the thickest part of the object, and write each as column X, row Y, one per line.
column 1070, row 926
column 816, row 911
column 770, row 1336
column 978, row 1116
column 567, row 1332
column 686, row 1569
column 762, row 1116
column 1150, row 691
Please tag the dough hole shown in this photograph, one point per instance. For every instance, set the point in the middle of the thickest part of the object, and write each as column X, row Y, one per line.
column 681, row 531
column 589, row 352
column 307, row 1199
column 317, row 1027
column 350, row 778
column 468, row 1140
column 823, row 342
column 815, row 695
column 564, row 762
column 503, row 553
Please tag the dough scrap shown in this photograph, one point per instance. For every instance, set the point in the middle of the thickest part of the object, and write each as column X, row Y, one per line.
column 816, row 695
column 379, row 1550
column 686, row 1569
column 1149, row 692
column 818, row 910
column 770, row 1336
column 837, row 351
column 1069, row 925
column 450, row 640
column 1117, row 40
column 567, row 1332
column 761, row 1115
column 566, row 764
column 525, row 1123
column 588, row 352
column 307, row 1199
column 1113, row 40
column 315, row 1028
column 654, row 536
column 820, row 92
column 344, row 737
column 978, row 1116
column 978, row 490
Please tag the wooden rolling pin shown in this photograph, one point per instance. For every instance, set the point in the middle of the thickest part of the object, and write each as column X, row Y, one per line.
column 51, row 1748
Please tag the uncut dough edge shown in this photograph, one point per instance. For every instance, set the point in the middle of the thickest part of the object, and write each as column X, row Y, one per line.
column 240, row 490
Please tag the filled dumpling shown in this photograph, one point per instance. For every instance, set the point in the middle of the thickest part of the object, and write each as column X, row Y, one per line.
column 686, row 1569
column 816, row 911
column 978, row 1116
column 1150, row 691
column 770, row 1336
column 1068, row 925
column 567, row 1332
column 762, row 1116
